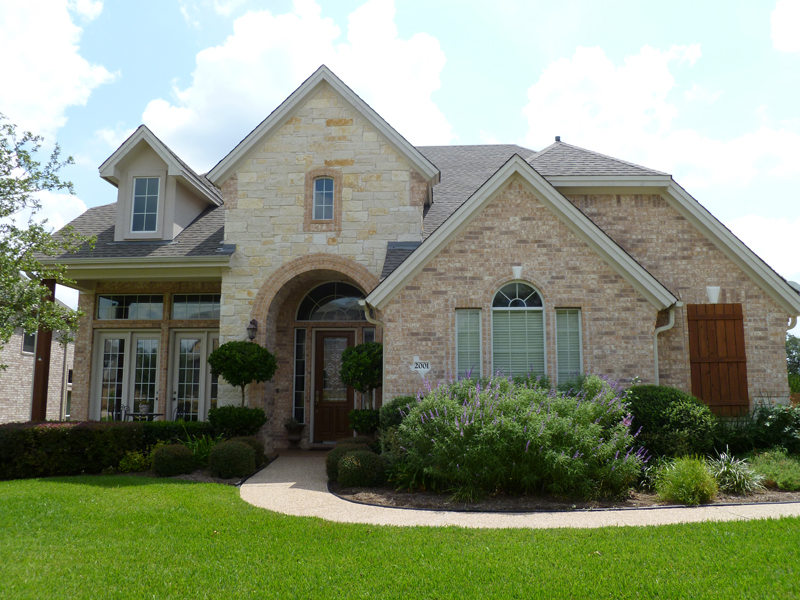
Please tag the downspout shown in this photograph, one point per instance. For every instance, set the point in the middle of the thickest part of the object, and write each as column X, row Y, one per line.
column 658, row 330
column 367, row 308
column 792, row 323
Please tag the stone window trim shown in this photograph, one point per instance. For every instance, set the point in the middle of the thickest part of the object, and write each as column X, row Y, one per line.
column 311, row 224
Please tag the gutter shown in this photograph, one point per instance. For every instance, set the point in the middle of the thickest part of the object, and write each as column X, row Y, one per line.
column 792, row 323
column 658, row 330
column 375, row 321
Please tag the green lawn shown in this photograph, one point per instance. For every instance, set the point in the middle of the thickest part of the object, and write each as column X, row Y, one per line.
column 134, row 537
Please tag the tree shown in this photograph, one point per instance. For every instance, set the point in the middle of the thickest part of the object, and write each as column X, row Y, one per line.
column 793, row 354
column 24, row 300
column 362, row 367
column 241, row 363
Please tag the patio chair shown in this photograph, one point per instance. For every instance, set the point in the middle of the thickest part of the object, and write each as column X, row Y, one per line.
column 119, row 412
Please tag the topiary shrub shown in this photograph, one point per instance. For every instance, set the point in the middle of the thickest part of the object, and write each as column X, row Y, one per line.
column 362, row 367
column 393, row 412
column 671, row 422
column 335, row 455
column 242, row 363
column 688, row 481
column 364, row 421
column 257, row 446
column 236, row 421
column 174, row 459
column 232, row 459
column 362, row 469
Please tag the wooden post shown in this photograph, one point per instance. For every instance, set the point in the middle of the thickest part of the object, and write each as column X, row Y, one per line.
column 41, row 365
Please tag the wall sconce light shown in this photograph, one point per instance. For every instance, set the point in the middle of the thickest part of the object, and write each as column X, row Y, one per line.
column 251, row 329
column 713, row 293
column 517, row 272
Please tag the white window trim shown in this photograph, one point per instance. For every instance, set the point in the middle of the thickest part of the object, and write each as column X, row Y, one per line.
column 480, row 338
column 580, row 337
column 206, row 335
column 322, row 206
column 130, row 234
column 158, row 203
column 511, row 309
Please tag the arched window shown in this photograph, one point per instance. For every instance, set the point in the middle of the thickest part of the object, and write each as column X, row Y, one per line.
column 518, row 330
column 333, row 301
column 323, row 199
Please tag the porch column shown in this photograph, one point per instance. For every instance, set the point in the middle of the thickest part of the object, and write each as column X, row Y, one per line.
column 41, row 366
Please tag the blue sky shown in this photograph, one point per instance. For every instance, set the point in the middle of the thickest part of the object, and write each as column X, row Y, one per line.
column 706, row 91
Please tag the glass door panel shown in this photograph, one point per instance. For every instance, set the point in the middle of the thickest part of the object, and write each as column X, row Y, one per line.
column 112, row 377
column 188, row 380
column 145, row 374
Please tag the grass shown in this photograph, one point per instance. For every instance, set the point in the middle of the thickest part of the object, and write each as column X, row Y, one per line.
column 134, row 537
column 779, row 469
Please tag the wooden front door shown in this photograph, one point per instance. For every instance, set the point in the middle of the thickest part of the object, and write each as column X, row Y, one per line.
column 333, row 400
column 717, row 356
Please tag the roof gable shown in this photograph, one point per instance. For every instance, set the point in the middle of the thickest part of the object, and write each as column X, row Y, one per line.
column 619, row 260
column 307, row 89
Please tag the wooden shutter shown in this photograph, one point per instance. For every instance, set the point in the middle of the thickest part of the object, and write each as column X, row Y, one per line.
column 518, row 341
column 717, row 356
column 568, row 343
column 468, row 343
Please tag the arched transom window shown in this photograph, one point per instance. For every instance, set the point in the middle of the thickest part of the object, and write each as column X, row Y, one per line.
column 518, row 330
column 333, row 301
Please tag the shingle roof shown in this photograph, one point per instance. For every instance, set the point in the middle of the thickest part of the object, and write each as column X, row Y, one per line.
column 565, row 159
column 396, row 253
column 201, row 238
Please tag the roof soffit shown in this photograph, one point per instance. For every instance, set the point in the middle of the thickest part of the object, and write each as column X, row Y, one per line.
column 582, row 226
column 307, row 89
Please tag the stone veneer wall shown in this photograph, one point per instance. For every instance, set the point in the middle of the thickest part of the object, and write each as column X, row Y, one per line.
column 16, row 382
column 516, row 229
column 685, row 261
column 82, row 374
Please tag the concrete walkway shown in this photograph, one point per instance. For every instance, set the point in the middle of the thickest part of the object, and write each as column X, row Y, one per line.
column 295, row 484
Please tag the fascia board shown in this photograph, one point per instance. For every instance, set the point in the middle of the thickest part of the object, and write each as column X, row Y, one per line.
column 190, row 179
column 733, row 248
column 278, row 117
column 621, row 262
column 145, row 135
column 109, row 269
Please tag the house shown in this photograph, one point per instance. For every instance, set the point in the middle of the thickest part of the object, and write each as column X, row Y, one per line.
column 325, row 228
column 16, row 381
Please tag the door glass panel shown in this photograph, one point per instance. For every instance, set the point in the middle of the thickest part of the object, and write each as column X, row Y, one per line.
column 333, row 390
column 146, row 370
column 111, row 386
column 188, row 396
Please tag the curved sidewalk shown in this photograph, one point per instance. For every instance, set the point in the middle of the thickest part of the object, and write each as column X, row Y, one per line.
column 295, row 484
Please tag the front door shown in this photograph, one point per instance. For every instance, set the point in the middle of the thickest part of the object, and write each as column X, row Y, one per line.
column 333, row 400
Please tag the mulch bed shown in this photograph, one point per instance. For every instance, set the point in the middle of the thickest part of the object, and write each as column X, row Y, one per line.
column 502, row 503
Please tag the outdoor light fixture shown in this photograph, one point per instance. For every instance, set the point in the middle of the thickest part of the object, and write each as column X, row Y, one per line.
column 251, row 329
column 713, row 293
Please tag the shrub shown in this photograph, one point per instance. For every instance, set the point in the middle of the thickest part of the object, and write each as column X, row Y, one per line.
column 236, row 421
column 232, row 459
column 671, row 422
column 257, row 446
column 201, row 446
column 174, row 459
column 688, row 481
column 362, row 469
column 392, row 412
column 241, row 363
column 506, row 437
column 734, row 475
column 134, row 461
column 794, row 383
column 335, row 455
column 362, row 366
column 779, row 469
column 364, row 421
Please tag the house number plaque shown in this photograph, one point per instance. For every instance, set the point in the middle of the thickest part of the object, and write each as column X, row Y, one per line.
column 421, row 366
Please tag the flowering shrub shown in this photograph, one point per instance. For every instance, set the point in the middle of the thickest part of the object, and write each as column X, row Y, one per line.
column 518, row 438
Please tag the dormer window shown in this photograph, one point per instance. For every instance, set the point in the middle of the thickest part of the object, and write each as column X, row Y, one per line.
column 323, row 199
column 145, row 204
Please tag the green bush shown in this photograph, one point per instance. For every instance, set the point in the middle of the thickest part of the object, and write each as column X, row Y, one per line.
column 257, row 446
column 236, row 421
column 392, row 412
column 174, row 459
column 780, row 470
column 769, row 426
column 362, row 366
column 734, row 475
column 688, row 481
column 241, row 363
column 505, row 437
column 335, row 455
column 671, row 422
column 133, row 462
column 364, row 421
column 362, row 469
column 794, row 383
column 232, row 459
column 201, row 446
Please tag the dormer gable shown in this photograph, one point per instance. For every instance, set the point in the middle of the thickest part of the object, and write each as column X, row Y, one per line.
column 158, row 194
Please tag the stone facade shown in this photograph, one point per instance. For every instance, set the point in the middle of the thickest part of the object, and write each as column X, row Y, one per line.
column 16, row 382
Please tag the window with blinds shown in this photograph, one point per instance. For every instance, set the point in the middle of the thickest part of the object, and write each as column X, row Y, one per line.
column 518, row 331
column 568, row 343
column 468, row 343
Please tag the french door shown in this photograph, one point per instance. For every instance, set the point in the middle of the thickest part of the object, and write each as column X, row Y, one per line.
column 126, row 374
column 194, row 390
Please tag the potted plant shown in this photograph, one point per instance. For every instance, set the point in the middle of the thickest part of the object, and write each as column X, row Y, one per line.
column 294, row 429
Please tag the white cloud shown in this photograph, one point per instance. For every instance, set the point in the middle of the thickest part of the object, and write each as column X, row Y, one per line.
column 226, row 7
column 773, row 239
column 43, row 71
column 114, row 137
column 785, row 21
column 626, row 111
column 88, row 9
column 58, row 209
column 238, row 83
column 701, row 94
